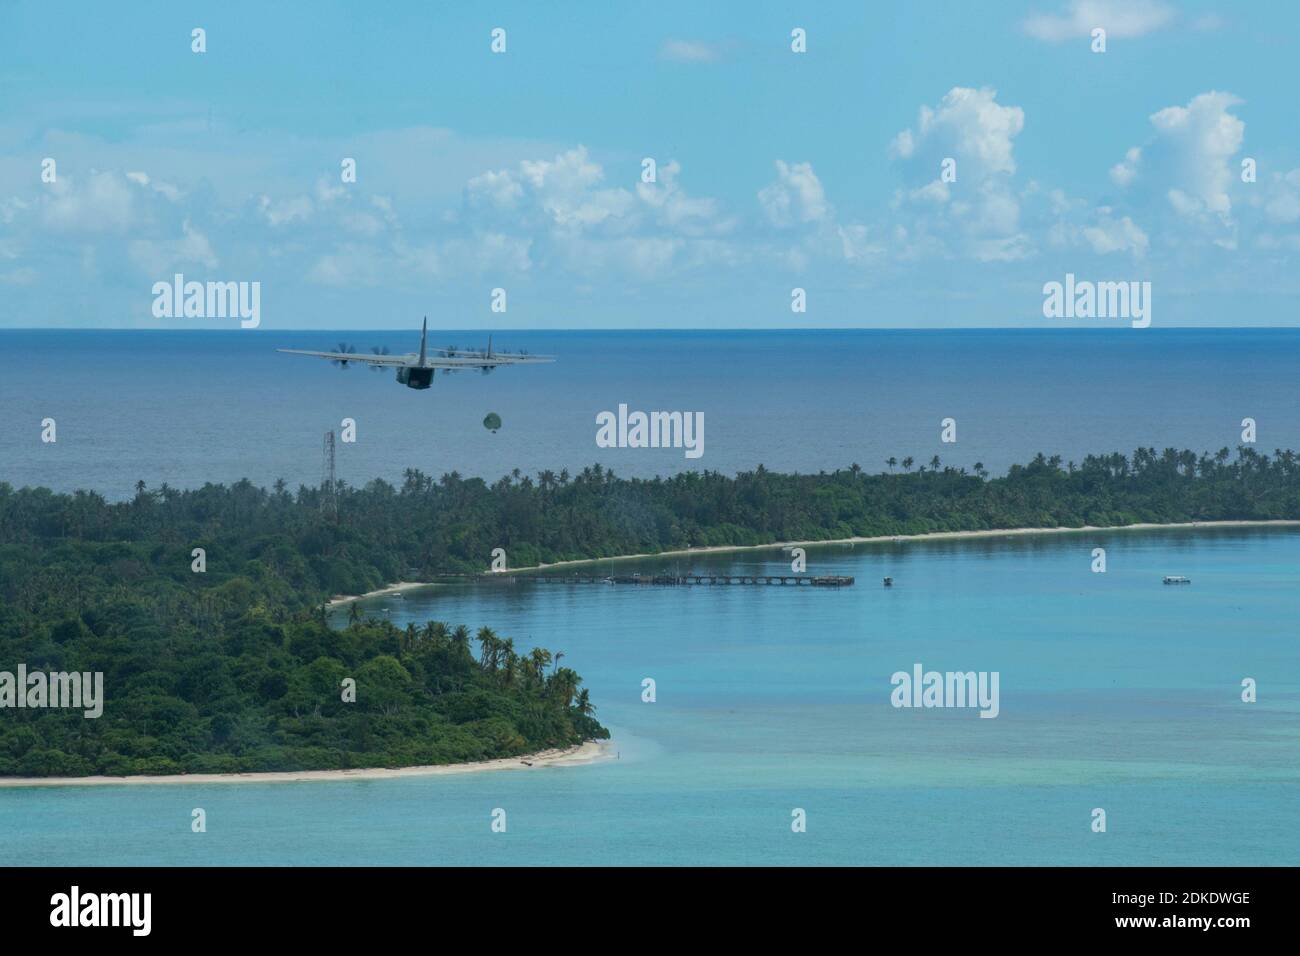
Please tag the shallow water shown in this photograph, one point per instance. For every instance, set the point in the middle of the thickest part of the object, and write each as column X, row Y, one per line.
column 1115, row 692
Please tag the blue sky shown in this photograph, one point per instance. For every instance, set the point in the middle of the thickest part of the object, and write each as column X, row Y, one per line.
column 775, row 169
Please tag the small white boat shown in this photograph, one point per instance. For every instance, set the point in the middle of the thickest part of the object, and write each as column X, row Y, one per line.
column 1177, row 579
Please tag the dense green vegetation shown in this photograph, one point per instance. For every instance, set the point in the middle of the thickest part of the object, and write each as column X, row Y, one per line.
column 254, row 691
column 236, row 669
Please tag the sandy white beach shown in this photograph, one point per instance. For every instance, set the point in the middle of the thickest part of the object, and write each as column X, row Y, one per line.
column 903, row 538
column 586, row 753
column 398, row 588
column 403, row 586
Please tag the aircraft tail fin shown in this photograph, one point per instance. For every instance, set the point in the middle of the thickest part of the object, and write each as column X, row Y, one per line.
column 424, row 331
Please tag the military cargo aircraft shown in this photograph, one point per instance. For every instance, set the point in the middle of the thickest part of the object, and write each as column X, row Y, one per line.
column 415, row 369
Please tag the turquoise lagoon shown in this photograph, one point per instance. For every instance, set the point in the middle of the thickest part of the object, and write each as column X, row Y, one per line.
column 1115, row 692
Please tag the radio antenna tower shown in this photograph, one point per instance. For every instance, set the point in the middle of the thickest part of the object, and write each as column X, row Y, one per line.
column 328, row 501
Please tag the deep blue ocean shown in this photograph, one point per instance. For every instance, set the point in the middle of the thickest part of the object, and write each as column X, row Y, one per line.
column 1116, row 692
column 190, row 407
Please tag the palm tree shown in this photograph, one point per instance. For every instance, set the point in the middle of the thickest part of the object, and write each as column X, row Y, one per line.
column 540, row 658
column 563, row 685
column 934, row 463
column 491, row 648
column 907, row 463
column 460, row 637
column 891, row 461
column 435, row 632
column 584, row 704
column 509, row 660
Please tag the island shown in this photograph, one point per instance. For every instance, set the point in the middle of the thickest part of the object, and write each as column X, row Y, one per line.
column 206, row 610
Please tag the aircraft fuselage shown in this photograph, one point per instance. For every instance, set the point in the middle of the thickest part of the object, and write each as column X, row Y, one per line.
column 415, row 377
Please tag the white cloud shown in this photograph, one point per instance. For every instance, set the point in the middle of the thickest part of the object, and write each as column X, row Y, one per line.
column 566, row 197
column 806, row 227
column 796, row 197
column 1121, row 19
column 328, row 192
column 1076, row 224
column 1283, row 204
column 856, row 243
column 499, row 210
column 646, row 257
column 280, row 212
column 677, row 211
column 1187, row 167
column 351, row 265
column 936, row 191
column 969, row 125
column 1202, row 137
column 563, row 194
column 556, row 214
column 1001, row 249
column 500, row 189
column 102, row 202
column 1109, row 235
column 690, row 51
column 978, row 214
column 903, row 145
column 164, row 189
column 159, row 256
column 1123, row 172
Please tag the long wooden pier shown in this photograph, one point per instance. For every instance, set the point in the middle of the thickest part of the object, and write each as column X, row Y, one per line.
column 693, row 578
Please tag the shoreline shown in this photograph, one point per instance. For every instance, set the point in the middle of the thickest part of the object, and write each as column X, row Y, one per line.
column 587, row 752
column 403, row 586
column 928, row 536
column 399, row 588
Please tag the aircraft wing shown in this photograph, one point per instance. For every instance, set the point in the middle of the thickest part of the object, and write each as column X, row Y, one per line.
column 368, row 359
column 479, row 360
column 459, row 360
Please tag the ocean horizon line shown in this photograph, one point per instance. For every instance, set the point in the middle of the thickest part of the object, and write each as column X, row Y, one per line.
column 676, row 329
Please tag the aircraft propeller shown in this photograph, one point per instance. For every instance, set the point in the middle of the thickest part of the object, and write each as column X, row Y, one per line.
column 343, row 347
